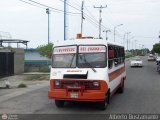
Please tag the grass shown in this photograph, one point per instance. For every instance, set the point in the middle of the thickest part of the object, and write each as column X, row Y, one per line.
column 22, row 85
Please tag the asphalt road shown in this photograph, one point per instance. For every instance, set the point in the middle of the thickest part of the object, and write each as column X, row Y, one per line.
column 141, row 95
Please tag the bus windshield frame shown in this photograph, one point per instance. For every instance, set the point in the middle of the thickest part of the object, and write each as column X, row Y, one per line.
column 80, row 59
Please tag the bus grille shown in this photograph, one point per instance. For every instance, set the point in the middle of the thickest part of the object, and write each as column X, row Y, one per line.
column 87, row 84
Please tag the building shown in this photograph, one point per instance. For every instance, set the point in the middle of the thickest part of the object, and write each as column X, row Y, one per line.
column 35, row 62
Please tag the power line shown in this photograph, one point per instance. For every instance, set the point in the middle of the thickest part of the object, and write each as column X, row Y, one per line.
column 46, row 6
column 91, row 21
column 89, row 16
column 70, row 5
column 146, row 37
column 31, row 4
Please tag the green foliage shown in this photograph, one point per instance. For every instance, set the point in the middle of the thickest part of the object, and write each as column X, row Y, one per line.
column 22, row 85
column 156, row 48
column 128, row 56
column 45, row 50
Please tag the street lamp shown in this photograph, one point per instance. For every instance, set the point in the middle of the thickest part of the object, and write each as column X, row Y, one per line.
column 127, row 39
column 106, row 31
column 135, row 47
column 115, row 30
column 48, row 12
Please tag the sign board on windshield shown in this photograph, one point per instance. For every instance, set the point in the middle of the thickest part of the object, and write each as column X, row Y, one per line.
column 65, row 50
column 91, row 49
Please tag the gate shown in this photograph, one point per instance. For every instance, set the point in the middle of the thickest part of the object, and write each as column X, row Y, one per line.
column 6, row 63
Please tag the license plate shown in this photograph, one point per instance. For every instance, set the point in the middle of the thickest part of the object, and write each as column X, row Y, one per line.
column 74, row 95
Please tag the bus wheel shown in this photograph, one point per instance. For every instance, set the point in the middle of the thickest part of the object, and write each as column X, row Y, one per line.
column 108, row 97
column 59, row 103
column 121, row 88
column 103, row 104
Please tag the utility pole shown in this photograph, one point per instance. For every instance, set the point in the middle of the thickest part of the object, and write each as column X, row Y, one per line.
column 106, row 31
column 82, row 17
column 135, row 46
column 100, row 18
column 159, row 36
column 65, row 17
column 115, row 31
column 132, row 47
column 127, row 42
column 48, row 12
column 127, row 39
column 124, row 39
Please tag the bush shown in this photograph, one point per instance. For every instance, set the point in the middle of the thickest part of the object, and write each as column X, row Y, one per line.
column 45, row 50
column 128, row 56
column 22, row 85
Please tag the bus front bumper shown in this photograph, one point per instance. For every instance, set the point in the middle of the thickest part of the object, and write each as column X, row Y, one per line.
column 92, row 95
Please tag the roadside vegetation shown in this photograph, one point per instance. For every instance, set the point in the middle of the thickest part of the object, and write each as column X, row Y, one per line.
column 22, row 85
column 156, row 48
column 45, row 50
column 36, row 77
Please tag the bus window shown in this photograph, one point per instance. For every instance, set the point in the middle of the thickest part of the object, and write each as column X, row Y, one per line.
column 64, row 57
column 116, row 59
column 96, row 60
column 110, row 56
column 64, row 61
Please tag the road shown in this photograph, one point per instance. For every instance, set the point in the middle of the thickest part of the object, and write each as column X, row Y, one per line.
column 141, row 95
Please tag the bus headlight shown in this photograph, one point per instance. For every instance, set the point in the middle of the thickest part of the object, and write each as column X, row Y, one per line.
column 57, row 83
column 96, row 84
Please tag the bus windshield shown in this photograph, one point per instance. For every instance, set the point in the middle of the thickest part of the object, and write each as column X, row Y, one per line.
column 92, row 56
column 95, row 60
column 64, row 61
column 64, row 57
column 85, row 57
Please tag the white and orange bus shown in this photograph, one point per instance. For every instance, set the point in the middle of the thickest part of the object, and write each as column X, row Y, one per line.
column 86, row 70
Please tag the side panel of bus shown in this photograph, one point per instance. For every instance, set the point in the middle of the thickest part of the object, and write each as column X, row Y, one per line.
column 116, row 68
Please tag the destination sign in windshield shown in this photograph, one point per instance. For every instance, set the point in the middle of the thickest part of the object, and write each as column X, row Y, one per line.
column 91, row 49
column 65, row 50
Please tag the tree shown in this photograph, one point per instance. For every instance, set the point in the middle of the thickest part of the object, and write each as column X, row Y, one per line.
column 45, row 50
column 156, row 48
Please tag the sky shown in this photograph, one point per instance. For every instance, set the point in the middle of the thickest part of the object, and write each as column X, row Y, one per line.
column 28, row 22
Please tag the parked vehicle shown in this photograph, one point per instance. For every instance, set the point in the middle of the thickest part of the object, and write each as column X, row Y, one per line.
column 86, row 70
column 136, row 62
column 151, row 57
column 157, row 59
column 158, row 67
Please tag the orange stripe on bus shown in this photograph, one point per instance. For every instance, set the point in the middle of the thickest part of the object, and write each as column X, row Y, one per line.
column 116, row 73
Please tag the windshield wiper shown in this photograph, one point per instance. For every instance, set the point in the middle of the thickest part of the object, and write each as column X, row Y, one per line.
column 87, row 63
column 72, row 60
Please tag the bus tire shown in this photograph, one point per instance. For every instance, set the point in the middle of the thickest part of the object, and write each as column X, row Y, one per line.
column 59, row 103
column 121, row 87
column 108, row 97
column 102, row 105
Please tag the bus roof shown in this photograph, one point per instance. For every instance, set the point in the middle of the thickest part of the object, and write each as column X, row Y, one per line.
column 86, row 42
